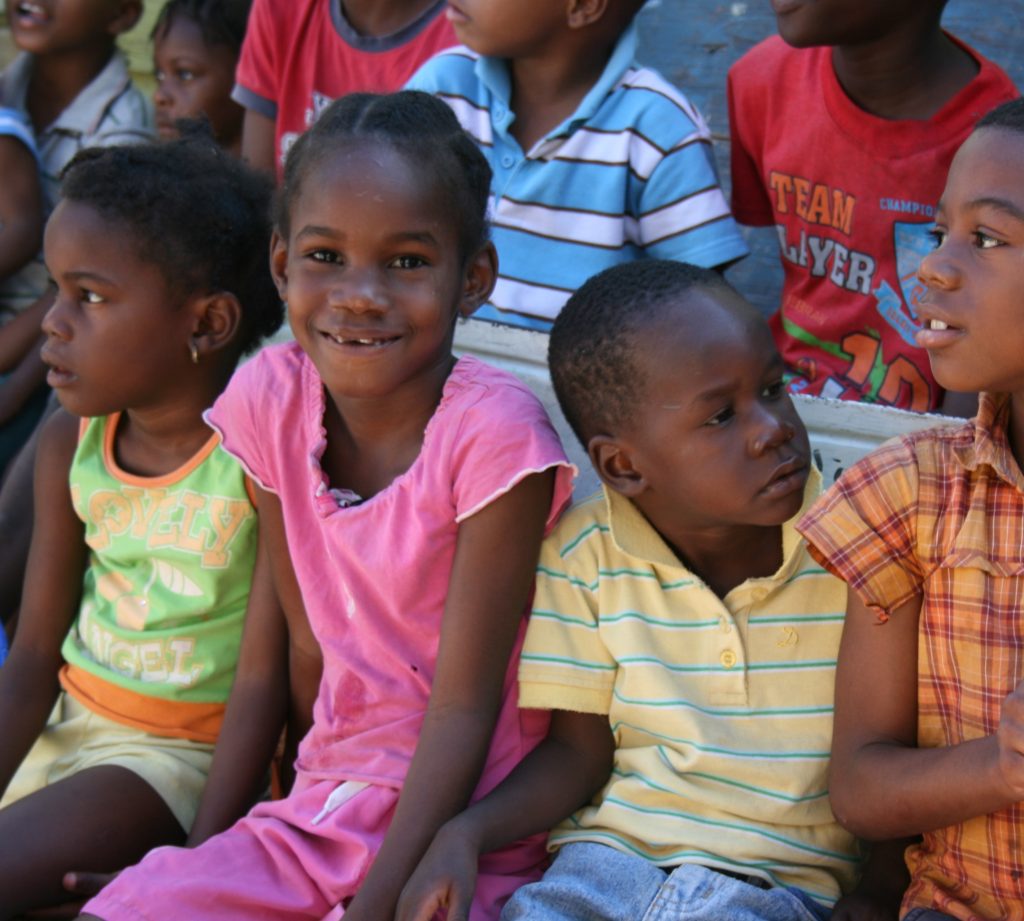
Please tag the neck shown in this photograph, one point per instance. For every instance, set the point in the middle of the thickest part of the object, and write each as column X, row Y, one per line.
column 377, row 18
column 908, row 74
column 58, row 78
column 727, row 556
column 548, row 88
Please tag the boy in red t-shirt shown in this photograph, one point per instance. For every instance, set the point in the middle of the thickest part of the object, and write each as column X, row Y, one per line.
column 842, row 130
column 300, row 55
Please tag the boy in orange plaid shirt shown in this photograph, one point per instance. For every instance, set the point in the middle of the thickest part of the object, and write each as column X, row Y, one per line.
column 929, row 534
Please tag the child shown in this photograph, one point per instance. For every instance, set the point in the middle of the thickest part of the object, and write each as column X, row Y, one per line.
column 150, row 317
column 195, row 52
column 842, row 132
column 413, row 490
column 300, row 55
column 927, row 531
column 73, row 87
column 680, row 633
column 596, row 161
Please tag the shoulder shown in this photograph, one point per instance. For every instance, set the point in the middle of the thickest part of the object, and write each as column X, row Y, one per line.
column 758, row 72
column 451, row 70
column 483, row 388
column 644, row 99
column 272, row 379
column 581, row 532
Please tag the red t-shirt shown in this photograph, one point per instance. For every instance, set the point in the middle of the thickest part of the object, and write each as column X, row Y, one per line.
column 299, row 55
column 853, row 199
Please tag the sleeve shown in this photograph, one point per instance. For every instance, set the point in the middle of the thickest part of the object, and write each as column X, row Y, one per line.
column 682, row 212
column 236, row 416
column 565, row 664
column 14, row 126
column 750, row 202
column 864, row 529
column 503, row 438
column 257, row 76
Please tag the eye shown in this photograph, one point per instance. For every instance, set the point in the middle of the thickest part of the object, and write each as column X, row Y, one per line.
column 90, row 297
column 408, row 262
column 938, row 235
column 325, row 256
column 185, row 75
column 721, row 417
column 774, row 390
column 158, row 75
column 983, row 240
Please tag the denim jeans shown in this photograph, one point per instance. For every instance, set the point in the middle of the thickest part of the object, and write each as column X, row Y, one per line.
column 593, row 882
column 927, row 914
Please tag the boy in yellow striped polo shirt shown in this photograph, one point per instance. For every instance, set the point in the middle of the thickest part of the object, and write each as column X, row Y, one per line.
column 681, row 635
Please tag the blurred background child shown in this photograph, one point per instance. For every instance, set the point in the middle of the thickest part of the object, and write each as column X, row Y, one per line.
column 596, row 161
column 196, row 44
column 300, row 55
column 151, row 315
column 843, row 128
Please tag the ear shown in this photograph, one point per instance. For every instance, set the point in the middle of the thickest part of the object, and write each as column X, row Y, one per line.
column 478, row 281
column 128, row 13
column 583, row 13
column 279, row 264
column 217, row 318
column 613, row 461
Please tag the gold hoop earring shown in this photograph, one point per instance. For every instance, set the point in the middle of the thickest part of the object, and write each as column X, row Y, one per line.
column 193, row 351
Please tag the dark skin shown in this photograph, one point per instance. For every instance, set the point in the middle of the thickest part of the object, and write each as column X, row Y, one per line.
column 746, row 414
column 367, row 17
column 102, row 818
column 973, row 279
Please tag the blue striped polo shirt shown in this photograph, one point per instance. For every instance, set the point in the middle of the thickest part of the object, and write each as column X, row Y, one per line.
column 630, row 174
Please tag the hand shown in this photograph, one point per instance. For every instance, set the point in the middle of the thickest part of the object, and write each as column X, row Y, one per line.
column 861, row 905
column 444, row 879
column 83, row 885
column 1010, row 737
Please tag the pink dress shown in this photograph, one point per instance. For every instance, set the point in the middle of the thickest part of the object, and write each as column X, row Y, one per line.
column 374, row 577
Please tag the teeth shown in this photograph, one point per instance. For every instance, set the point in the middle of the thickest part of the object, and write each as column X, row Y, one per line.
column 938, row 324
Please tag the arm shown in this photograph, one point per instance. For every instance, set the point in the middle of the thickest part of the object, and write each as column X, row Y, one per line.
column 481, row 617
column 24, row 381
column 558, row 777
column 258, row 142
column 881, row 887
column 21, row 206
column 23, row 333
column 53, row 586
column 882, row 785
column 255, row 712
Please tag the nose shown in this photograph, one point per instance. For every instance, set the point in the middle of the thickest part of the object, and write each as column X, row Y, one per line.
column 55, row 321
column 772, row 429
column 938, row 269
column 358, row 290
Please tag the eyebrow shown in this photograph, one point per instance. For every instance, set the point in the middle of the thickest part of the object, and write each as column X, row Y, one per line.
column 88, row 276
column 411, row 236
column 1003, row 205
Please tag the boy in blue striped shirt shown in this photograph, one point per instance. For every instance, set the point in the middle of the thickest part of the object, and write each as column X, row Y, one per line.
column 682, row 636
column 596, row 161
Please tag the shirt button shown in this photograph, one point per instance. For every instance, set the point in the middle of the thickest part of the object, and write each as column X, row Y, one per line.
column 499, row 111
column 508, row 161
column 728, row 658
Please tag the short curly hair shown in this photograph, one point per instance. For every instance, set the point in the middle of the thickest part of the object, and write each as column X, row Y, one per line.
column 596, row 367
column 415, row 123
column 1009, row 115
column 221, row 22
column 195, row 212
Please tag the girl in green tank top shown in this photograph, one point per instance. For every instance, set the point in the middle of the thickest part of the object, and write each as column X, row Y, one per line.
column 145, row 534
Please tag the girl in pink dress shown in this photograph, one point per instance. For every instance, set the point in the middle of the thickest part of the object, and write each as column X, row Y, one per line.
column 403, row 497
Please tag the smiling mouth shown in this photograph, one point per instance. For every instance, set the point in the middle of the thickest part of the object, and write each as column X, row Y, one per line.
column 365, row 342
column 33, row 12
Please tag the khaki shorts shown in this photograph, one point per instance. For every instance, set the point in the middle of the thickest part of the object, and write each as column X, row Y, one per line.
column 75, row 739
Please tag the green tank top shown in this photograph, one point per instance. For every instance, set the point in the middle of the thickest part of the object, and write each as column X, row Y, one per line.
column 169, row 571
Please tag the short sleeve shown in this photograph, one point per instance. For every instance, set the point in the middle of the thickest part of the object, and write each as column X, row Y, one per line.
column 237, row 414
column 864, row 529
column 503, row 437
column 565, row 664
column 750, row 202
column 257, row 76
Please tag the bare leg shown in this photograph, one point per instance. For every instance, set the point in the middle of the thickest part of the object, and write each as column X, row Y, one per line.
column 100, row 820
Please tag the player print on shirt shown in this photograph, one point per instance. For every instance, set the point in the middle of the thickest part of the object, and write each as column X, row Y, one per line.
column 861, row 370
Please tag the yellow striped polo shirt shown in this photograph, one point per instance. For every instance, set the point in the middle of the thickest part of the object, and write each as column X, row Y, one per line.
column 721, row 709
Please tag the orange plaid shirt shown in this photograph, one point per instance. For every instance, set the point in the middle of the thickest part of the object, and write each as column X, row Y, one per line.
column 940, row 514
